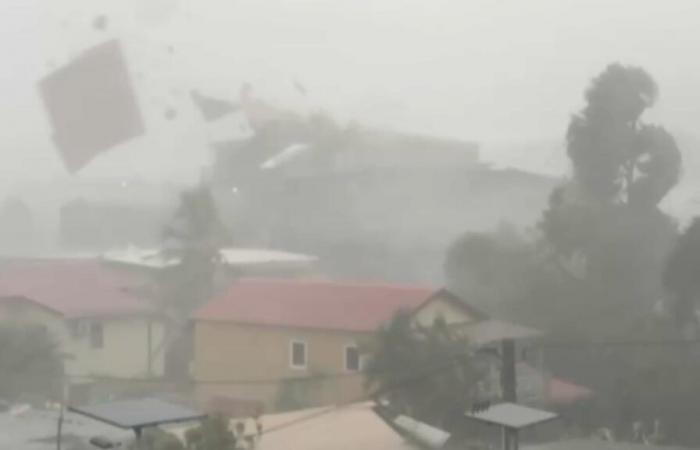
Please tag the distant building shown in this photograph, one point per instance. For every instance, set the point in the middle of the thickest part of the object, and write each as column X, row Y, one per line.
column 238, row 261
column 299, row 343
column 103, row 328
column 372, row 204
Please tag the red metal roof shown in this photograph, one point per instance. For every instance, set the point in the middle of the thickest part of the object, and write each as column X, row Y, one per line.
column 563, row 391
column 73, row 288
column 312, row 304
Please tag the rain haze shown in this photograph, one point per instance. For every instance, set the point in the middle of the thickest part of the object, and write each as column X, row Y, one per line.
column 329, row 224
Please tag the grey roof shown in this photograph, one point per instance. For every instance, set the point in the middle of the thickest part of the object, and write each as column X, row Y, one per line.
column 512, row 415
column 422, row 432
column 594, row 444
column 36, row 430
column 138, row 413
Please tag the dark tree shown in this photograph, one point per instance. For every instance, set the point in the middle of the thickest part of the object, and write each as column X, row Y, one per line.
column 682, row 274
column 30, row 363
column 212, row 434
column 605, row 226
column 427, row 373
column 490, row 269
column 193, row 240
column 614, row 155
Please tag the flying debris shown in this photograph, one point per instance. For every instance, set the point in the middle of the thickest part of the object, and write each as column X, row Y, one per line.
column 91, row 105
column 285, row 156
column 212, row 108
column 100, row 22
column 300, row 88
column 170, row 113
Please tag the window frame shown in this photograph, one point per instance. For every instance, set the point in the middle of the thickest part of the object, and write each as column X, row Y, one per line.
column 345, row 358
column 305, row 345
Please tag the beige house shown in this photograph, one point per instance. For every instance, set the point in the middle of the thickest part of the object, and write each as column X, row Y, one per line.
column 297, row 343
column 102, row 328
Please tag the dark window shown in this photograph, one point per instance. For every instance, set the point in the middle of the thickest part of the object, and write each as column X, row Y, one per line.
column 298, row 356
column 352, row 358
column 96, row 335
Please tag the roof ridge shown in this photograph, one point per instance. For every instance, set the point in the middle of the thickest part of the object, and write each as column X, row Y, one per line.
column 339, row 283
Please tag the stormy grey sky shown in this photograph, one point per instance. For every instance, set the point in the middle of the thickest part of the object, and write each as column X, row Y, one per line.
column 488, row 70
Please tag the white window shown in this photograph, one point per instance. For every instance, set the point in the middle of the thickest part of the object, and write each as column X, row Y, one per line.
column 297, row 354
column 352, row 358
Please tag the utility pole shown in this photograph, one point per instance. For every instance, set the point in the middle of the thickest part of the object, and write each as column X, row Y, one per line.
column 59, row 425
column 509, row 388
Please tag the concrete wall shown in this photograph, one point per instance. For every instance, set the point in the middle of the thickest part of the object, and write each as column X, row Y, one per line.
column 248, row 362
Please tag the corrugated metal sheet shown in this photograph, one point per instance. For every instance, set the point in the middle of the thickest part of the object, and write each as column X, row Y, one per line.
column 138, row 413
column 512, row 415
column 591, row 444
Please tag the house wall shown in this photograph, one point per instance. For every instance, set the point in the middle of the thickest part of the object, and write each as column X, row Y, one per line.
column 438, row 307
column 247, row 362
column 125, row 351
column 125, row 341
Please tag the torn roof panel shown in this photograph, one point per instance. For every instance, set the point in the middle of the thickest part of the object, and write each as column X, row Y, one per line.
column 91, row 104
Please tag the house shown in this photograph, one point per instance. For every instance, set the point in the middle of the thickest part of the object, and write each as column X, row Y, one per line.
column 371, row 203
column 101, row 326
column 449, row 307
column 294, row 343
column 260, row 338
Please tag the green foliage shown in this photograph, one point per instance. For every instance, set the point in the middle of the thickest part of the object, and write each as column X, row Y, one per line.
column 212, row 434
column 604, row 228
column 428, row 373
column 30, row 364
column 490, row 269
column 194, row 237
column 682, row 274
column 614, row 156
column 595, row 273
